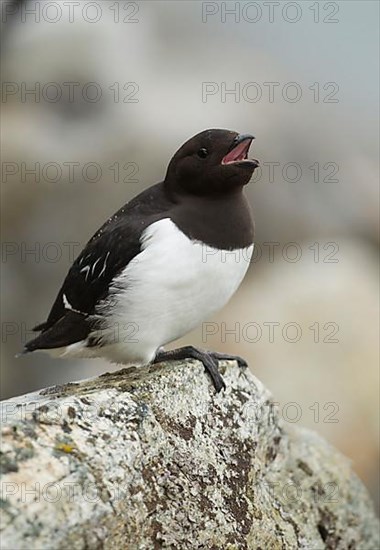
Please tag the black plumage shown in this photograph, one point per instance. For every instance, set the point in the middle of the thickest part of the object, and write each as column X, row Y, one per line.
column 105, row 255
column 202, row 200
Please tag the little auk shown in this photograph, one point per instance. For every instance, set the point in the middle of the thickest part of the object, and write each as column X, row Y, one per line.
column 162, row 264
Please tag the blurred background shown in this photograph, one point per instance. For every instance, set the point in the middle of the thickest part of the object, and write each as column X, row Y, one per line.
column 96, row 98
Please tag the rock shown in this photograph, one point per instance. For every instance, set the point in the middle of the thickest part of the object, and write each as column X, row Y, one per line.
column 153, row 458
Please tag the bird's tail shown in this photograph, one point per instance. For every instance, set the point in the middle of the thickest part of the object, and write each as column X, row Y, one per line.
column 72, row 327
column 41, row 326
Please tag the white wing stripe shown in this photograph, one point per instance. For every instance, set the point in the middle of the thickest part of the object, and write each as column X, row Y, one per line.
column 104, row 265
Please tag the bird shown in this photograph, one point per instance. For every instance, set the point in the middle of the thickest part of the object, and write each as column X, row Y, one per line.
column 162, row 264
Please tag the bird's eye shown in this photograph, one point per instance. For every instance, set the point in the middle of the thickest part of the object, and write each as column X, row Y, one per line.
column 202, row 153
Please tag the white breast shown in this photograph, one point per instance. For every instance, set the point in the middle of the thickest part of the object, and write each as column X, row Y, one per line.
column 167, row 290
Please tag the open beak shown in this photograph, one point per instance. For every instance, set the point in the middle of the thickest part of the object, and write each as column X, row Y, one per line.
column 238, row 153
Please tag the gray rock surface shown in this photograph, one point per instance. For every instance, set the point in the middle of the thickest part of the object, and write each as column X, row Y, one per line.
column 153, row 458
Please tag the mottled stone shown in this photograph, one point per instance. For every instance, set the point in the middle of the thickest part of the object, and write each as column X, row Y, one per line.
column 154, row 458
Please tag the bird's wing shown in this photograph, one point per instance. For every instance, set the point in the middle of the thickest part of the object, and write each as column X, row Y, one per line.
column 71, row 318
column 106, row 254
column 90, row 275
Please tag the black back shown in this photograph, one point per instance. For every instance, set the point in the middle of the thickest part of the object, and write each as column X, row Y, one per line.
column 203, row 198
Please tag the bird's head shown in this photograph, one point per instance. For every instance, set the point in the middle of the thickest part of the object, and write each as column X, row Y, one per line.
column 212, row 162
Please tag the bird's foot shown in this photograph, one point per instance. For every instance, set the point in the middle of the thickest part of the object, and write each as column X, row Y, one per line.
column 227, row 357
column 209, row 360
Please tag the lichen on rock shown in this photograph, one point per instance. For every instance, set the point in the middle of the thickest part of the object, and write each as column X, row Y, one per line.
column 154, row 458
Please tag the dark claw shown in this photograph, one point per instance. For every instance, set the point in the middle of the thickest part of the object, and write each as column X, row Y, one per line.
column 208, row 359
column 226, row 357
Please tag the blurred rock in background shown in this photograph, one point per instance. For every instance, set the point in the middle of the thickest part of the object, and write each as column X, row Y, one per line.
column 115, row 98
